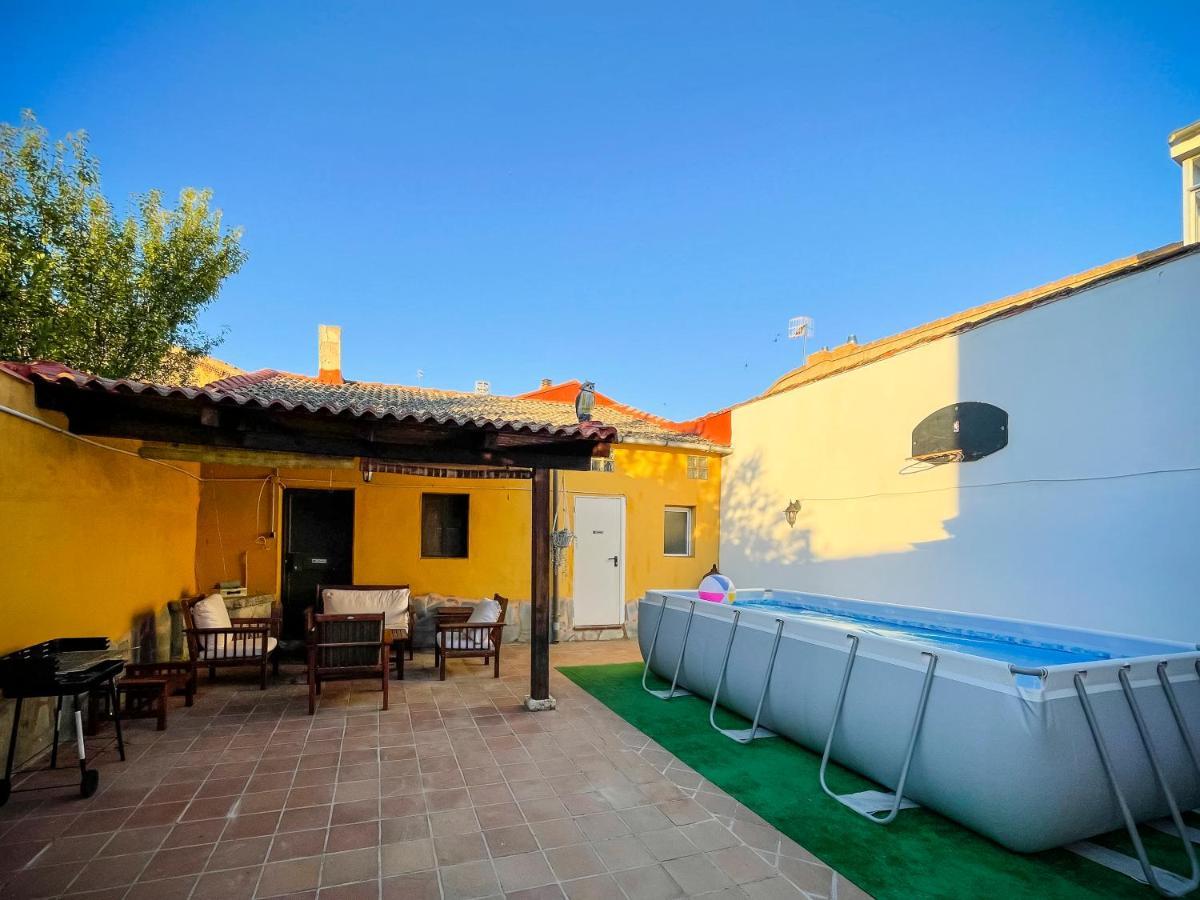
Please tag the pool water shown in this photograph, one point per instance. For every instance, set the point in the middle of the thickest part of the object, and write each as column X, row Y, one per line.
column 989, row 645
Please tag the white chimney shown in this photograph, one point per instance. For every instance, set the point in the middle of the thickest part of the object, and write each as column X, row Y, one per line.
column 483, row 387
column 329, row 354
column 1185, row 150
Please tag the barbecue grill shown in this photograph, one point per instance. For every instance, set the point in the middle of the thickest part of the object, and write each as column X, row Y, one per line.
column 63, row 667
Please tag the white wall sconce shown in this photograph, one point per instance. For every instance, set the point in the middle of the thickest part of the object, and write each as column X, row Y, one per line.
column 791, row 512
column 585, row 402
column 367, row 473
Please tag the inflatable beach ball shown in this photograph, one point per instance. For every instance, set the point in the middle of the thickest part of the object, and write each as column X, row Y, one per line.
column 716, row 588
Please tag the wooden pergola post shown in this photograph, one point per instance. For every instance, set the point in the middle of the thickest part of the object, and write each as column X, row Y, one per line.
column 539, row 594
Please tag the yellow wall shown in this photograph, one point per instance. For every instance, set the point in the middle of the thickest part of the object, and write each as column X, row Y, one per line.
column 651, row 479
column 93, row 539
column 235, row 519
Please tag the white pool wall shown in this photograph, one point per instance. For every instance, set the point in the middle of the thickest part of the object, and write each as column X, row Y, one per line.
column 1009, row 756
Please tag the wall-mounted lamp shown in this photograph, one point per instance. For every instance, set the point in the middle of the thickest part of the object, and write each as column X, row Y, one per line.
column 585, row 402
column 367, row 474
column 790, row 513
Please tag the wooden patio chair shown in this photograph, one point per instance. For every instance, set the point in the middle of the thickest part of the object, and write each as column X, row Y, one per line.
column 345, row 647
column 399, row 625
column 215, row 640
column 470, row 632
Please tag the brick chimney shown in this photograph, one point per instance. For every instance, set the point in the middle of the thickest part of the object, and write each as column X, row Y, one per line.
column 546, row 382
column 1185, row 150
column 329, row 354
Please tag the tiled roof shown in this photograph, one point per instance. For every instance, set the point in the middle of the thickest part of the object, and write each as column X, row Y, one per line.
column 825, row 363
column 269, row 386
column 268, row 389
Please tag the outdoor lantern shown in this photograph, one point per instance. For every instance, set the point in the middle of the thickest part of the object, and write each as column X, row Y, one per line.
column 793, row 510
column 586, row 401
column 367, row 473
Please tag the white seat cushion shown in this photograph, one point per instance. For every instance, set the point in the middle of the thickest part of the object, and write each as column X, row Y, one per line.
column 486, row 612
column 464, row 640
column 211, row 613
column 393, row 604
column 224, row 646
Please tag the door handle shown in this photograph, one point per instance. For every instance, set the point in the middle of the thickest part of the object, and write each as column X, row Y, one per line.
column 614, row 561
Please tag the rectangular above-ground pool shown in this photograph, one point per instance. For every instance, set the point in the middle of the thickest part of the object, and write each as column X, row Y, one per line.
column 1004, row 745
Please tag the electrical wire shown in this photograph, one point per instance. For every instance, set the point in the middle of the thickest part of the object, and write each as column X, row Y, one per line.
column 1017, row 481
column 25, row 417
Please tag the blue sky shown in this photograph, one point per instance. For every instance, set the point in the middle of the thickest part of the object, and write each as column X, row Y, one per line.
column 636, row 193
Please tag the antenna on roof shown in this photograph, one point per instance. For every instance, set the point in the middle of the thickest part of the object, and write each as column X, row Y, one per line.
column 420, row 377
column 801, row 327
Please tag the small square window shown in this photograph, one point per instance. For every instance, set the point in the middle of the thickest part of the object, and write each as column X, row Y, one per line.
column 444, row 525
column 697, row 468
column 677, row 531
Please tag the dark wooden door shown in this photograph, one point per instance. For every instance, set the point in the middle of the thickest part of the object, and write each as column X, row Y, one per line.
column 318, row 548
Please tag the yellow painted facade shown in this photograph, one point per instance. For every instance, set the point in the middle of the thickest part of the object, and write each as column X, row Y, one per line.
column 240, row 506
column 94, row 540
column 97, row 540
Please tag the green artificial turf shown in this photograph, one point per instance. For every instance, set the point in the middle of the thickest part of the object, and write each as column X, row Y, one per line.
column 921, row 854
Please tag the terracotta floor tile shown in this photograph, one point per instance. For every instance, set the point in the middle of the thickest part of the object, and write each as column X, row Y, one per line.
column 44, row 881
column 525, row 870
column 499, row 815
column 576, row 861
column 228, row 885
column 239, row 853
column 418, row 886
column 191, row 833
column 648, row 883
column 280, row 878
column 111, row 871
column 624, row 852
column 357, row 811
column 598, row 887
column 510, row 840
column 453, row 821
column 253, row 825
column 453, row 849
column 454, row 770
column 557, row 833
column 67, row 849
column 175, row 861
column 667, row 843
column 405, row 828
column 407, row 856
column 304, row 818
column 167, row 889
column 469, row 881
column 356, row 836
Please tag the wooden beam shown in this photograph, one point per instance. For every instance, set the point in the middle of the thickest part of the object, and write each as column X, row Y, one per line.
column 539, row 594
column 173, row 421
column 235, row 457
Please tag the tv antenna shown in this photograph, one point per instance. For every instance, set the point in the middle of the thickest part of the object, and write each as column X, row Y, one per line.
column 801, row 327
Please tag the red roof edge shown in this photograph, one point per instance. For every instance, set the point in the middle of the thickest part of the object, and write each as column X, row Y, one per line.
column 236, row 382
column 715, row 426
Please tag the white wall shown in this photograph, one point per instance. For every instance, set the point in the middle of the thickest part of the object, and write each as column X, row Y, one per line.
column 1103, row 383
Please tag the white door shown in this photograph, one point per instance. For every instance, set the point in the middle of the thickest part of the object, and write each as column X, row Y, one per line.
column 599, row 587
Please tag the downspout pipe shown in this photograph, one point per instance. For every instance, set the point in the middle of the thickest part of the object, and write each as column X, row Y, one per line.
column 555, row 556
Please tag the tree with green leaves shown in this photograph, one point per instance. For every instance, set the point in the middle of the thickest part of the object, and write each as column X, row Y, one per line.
column 115, row 297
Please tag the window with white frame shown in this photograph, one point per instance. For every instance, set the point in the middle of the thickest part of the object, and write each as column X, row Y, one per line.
column 677, row 530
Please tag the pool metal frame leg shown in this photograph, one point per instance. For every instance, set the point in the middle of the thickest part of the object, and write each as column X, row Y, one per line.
column 897, row 797
column 687, row 629
column 1165, row 681
column 1151, row 872
column 755, row 731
